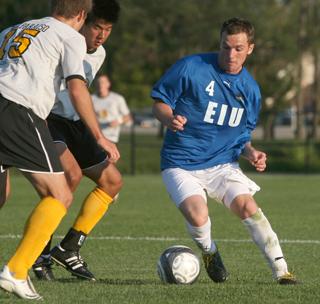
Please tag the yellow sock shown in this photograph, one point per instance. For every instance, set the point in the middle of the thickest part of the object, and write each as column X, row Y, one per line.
column 41, row 224
column 93, row 208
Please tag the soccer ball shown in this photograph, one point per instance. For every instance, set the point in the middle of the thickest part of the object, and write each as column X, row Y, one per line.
column 178, row 265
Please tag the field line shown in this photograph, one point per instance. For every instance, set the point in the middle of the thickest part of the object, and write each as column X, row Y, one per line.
column 164, row 239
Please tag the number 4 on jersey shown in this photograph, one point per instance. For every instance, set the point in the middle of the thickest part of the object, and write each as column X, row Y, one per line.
column 210, row 88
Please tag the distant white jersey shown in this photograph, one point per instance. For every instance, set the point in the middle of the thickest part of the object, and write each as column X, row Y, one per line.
column 34, row 57
column 110, row 108
column 92, row 63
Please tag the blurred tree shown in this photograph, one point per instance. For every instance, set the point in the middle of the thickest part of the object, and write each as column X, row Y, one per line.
column 13, row 12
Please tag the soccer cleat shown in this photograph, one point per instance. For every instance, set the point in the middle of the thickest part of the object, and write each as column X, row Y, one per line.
column 72, row 261
column 42, row 268
column 214, row 266
column 22, row 288
column 287, row 279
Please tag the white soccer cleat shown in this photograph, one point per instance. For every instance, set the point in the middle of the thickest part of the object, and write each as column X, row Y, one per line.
column 22, row 288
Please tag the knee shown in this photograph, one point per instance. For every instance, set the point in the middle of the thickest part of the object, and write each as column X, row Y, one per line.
column 195, row 211
column 111, row 184
column 73, row 178
column 244, row 206
column 65, row 197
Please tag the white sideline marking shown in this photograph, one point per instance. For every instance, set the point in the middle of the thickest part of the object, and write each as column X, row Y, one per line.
column 163, row 239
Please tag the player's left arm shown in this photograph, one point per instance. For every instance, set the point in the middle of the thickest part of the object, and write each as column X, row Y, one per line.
column 125, row 117
column 257, row 158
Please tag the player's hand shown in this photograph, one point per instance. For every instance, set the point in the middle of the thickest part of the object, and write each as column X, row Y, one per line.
column 110, row 148
column 259, row 160
column 177, row 123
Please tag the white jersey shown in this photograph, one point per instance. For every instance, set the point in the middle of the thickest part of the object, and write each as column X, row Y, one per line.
column 92, row 63
column 34, row 57
column 110, row 108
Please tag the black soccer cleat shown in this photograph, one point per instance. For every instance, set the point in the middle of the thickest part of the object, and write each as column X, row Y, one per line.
column 73, row 262
column 42, row 269
column 214, row 267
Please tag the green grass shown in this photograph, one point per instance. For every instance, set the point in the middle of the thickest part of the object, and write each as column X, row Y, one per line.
column 125, row 246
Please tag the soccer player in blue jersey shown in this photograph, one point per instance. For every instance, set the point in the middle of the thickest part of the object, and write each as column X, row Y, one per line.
column 210, row 105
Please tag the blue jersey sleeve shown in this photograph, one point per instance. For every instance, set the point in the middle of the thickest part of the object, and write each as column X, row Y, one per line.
column 172, row 84
column 252, row 92
column 255, row 109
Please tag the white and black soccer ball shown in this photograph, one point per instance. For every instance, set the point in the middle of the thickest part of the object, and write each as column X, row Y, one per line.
column 178, row 265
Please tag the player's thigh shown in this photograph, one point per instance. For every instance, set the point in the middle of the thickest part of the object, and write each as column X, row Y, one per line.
column 51, row 184
column 181, row 184
column 106, row 176
column 195, row 210
column 71, row 168
column 227, row 181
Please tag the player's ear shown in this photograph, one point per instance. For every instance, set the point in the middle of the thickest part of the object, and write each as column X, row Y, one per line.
column 82, row 16
column 250, row 49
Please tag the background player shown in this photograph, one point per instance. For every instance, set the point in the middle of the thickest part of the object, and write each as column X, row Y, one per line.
column 111, row 109
column 210, row 104
column 79, row 153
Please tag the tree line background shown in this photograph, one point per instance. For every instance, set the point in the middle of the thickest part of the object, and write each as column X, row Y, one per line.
column 152, row 34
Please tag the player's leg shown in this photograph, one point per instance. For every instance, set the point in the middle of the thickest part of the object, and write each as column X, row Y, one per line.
column 70, row 166
column 56, row 198
column 4, row 186
column 42, row 268
column 238, row 197
column 187, row 193
column 109, row 182
column 33, row 151
column 39, row 227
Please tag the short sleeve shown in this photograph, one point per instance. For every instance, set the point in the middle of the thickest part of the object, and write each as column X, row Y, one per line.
column 73, row 55
column 172, row 84
column 255, row 101
column 124, row 110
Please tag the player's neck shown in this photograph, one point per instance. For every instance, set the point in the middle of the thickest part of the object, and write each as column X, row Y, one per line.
column 104, row 95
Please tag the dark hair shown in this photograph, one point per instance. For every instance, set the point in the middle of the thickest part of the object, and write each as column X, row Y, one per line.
column 107, row 10
column 70, row 8
column 236, row 26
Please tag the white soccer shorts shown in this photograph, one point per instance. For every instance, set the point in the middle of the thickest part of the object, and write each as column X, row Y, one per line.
column 222, row 183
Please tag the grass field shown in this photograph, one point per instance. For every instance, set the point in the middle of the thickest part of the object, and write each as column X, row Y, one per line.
column 123, row 249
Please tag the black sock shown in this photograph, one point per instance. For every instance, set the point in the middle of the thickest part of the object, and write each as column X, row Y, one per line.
column 73, row 240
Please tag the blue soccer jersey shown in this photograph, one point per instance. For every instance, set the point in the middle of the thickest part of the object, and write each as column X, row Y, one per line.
column 222, row 109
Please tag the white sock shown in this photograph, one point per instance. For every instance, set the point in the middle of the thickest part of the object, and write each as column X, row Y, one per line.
column 202, row 236
column 266, row 239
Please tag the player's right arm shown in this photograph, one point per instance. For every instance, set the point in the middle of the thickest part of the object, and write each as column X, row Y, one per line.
column 82, row 103
column 165, row 115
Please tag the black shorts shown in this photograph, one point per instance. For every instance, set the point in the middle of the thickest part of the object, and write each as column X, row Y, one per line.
column 25, row 141
column 76, row 136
